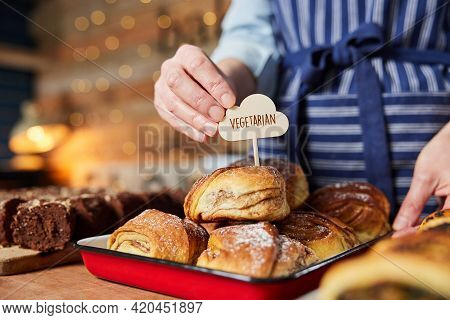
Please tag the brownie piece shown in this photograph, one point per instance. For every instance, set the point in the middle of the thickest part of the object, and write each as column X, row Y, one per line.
column 43, row 225
column 169, row 201
column 132, row 204
column 8, row 209
column 94, row 215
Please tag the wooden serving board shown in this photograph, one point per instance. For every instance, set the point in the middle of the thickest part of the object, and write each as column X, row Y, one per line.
column 14, row 260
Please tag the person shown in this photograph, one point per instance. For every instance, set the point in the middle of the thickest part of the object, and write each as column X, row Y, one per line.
column 366, row 82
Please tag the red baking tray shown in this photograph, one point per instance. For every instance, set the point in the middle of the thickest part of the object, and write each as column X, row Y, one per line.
column 191, row 282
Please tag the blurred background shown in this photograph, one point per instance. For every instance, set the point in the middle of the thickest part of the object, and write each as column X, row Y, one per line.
column 76, row 92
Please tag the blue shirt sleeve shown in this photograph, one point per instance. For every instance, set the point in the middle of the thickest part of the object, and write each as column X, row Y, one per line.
column 247, row 36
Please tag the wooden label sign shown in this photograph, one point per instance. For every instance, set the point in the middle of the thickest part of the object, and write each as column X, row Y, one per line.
column 256, row 117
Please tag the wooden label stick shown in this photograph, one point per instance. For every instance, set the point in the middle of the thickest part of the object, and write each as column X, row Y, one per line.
column 255, row 151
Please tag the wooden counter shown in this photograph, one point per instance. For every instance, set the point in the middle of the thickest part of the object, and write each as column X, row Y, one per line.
column 67, row 282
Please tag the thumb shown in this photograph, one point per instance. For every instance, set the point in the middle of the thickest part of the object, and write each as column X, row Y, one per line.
column 420, row 191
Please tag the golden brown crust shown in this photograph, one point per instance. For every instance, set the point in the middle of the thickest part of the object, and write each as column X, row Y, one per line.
column 326, row 236
column 255, row 250
column 239, row 193
column 292, row 256
column 249, row 249
column 358, row 204
column 436, row 220
column 160, row 235
column 297, row 189
column 418, row 262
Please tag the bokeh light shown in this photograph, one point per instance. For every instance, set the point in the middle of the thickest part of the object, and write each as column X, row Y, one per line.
column 112, row 43
column 81, row 23
column 156, row 75
column 209, row 18
column 144, row 50
column 115, row 116
column 164, row 21
column 92, row 52
column 129, row 148
column 146, row 1
column 125, row 71
column 76, row 119
column 102, row 84
column 98, row 17
column 127, row 22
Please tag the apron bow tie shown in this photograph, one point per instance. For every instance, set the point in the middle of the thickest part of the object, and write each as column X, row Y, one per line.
column 364, row 41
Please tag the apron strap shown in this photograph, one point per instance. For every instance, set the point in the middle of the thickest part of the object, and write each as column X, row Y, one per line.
column 354, row 50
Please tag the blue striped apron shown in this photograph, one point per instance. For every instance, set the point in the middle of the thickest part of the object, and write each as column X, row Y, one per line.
column 365, row 85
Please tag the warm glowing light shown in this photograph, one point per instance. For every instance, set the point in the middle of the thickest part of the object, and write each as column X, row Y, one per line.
column 127, row 22
column 125, row 71
column 146, row 1
column 76, row 119
column 80, row 85
column 209, row 18
column 38, row 139
column 81, row 23
column 92, row 52
column 156, row 75
column 144, row 50
column 164, row 21
column 110, row 1
column 78, row 55
column 27, row 162
column 102, row 84
column 98, row 17
column 115, row 116
column 36, row 133
column 129, row 148
column 112, row 43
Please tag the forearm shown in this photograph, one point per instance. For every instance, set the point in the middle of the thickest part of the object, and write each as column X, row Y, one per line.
column 239, row 76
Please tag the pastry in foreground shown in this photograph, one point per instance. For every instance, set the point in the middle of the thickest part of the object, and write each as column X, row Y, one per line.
column 254, row 250
column 239, row 193
column 439, row 220
column 160, row 235
column 412, row 267
column 326, row 236
column 360, row 205
column 297, row 189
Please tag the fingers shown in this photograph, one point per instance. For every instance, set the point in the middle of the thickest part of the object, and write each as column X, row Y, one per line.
column 421, row 189
column 184, row 112
column 404, row 232
column 446, row 203
column 202, row 69
column 177, row 123
column 183, row 86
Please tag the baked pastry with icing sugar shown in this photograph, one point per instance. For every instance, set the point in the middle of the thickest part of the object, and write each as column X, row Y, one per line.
column 238, row 193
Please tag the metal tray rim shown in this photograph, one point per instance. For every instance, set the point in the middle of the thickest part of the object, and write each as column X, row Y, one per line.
column 225, row 274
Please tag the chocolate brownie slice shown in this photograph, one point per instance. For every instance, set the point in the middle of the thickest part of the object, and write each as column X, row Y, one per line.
column 94, row 215
column 43, row 225
column 8, row 208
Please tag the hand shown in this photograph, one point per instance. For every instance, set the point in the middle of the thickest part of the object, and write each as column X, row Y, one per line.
column 192, row 93
column 431, row 177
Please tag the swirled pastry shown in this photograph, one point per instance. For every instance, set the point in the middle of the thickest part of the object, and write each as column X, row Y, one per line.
column 326, row 236
column 243, row 193
column 297, row 189
column 439, row 220
column 292, row 256
column 411, row 267
column 255, row 250
column 160, row 235
column 358, row 204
